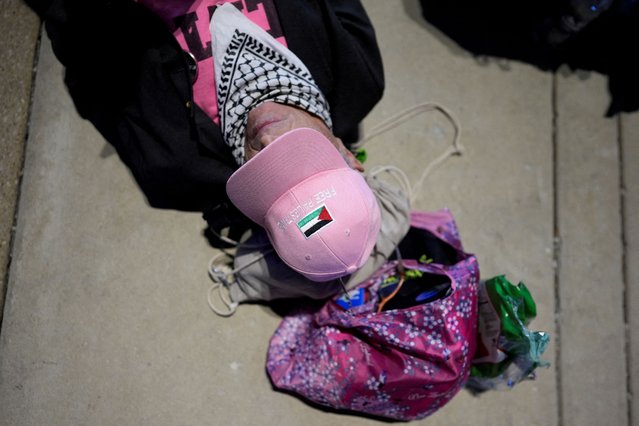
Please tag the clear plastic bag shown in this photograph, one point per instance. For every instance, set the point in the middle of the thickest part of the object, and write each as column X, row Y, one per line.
column 507, row 351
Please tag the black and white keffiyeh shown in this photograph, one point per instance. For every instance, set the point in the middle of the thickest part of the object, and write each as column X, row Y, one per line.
column 251, row 67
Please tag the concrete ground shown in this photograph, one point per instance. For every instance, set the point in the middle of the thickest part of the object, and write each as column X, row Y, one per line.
column 106, row 319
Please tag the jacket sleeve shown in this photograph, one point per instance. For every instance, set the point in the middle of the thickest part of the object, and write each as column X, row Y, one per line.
column 127, row 75
column 336, row 41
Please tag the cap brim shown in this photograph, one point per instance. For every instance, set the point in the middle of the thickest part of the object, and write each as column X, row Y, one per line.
column 284, row 163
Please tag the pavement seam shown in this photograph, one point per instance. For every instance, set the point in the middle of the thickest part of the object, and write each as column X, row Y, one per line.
column 556, row 249
column 624, row 267
column 27, row 125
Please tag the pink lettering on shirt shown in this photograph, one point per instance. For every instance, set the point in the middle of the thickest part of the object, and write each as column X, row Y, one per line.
column 189, row 21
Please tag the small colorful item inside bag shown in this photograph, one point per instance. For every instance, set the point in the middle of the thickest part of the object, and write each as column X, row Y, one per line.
column 401, row 290
column 412, row 288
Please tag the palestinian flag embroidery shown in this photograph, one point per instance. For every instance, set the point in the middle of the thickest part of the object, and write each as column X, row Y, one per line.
column 314, row 221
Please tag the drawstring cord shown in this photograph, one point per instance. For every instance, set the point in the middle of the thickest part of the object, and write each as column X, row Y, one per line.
column 236, row 244
column 412, row 191
column 223, row 276
column 219, row 275
column 455, row 148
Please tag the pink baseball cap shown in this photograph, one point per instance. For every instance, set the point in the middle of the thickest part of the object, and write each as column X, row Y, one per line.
column 320, row 215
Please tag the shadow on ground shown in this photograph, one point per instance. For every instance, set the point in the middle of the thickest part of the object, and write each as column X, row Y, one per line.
column 594, row 35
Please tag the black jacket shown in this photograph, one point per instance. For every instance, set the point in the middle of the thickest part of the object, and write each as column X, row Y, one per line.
column 128, row 75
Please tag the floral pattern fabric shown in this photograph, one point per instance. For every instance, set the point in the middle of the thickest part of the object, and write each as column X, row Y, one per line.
column 402, row 364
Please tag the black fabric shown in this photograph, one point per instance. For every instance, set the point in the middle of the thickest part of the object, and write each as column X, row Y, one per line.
column 595, row 35
column 336, row 41
column 129, row 77
column 419, row 242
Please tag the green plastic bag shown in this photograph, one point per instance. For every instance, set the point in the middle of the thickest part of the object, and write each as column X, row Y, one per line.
column 507, row 351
